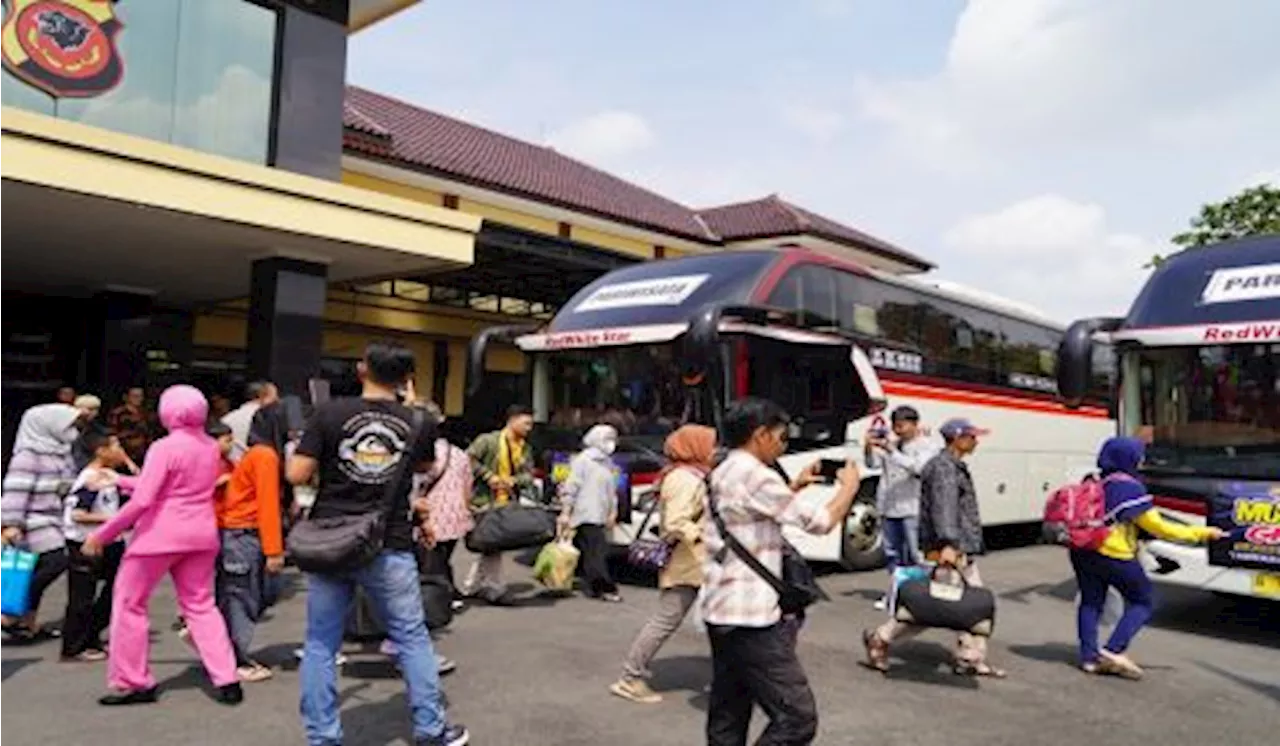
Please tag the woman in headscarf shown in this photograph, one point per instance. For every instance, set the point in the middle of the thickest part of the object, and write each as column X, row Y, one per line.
column 41, row 473
column 590, row 498
column 175, row 533
column 1115, row 565
column 250, row 528
column 682, row 489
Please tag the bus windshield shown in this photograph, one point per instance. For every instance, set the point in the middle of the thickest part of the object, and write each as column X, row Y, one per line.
column 637, row 389
column 1211, row 410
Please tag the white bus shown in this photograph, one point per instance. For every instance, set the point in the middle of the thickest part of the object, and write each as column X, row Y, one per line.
column 1199, row 379
column 621, row 351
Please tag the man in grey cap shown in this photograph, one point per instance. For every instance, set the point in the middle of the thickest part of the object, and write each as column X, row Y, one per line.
column 951, row 535
column 901, row 463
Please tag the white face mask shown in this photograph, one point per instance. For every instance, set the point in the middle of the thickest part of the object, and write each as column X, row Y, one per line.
column 609, row 447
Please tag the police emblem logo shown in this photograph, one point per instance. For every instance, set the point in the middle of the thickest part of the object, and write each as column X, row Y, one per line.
column 66, row 48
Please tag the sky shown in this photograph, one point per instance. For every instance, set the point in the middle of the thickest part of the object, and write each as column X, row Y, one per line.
column 1042, row 150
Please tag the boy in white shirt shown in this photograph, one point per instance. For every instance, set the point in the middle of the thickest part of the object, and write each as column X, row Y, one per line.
column 94, row 498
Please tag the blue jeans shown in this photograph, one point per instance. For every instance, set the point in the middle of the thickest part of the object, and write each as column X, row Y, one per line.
column 1096, row 573
column 391, row 581
column 238, row 588
column 902, row 542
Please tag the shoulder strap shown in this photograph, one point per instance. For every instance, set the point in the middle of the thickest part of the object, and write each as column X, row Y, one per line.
column 404, row 470
column 737, row 548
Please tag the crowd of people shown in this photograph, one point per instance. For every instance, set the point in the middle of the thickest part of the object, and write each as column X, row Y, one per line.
column 211, row 503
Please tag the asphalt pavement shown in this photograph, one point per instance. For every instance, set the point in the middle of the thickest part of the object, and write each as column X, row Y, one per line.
column 538, row 674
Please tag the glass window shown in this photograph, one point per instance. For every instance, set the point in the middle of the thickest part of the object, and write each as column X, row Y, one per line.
column 225, row 65
column 974, row 353
column 1030, row 355
column 877, row 309
column 787, row 294
column 197, row 73
column 1212, row 410
column 818, row 300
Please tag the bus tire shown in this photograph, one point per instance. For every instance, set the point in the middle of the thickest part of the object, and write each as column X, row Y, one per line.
column 862, row 546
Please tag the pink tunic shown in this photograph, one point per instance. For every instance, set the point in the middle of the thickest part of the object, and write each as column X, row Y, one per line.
column 171, row 509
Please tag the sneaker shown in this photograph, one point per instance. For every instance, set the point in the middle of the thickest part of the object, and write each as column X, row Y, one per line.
column 457, row 604
column 882, row 603
column 445, row 665
column 88, row 656
column 338, row 660
column 230, row 694
column 635, row 690
column 454, row 735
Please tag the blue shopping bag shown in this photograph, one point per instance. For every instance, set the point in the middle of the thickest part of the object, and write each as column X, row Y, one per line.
column 903, row 575
column 16, row 569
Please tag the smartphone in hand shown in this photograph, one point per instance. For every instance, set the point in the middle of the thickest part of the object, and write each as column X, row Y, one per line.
column 829, row 469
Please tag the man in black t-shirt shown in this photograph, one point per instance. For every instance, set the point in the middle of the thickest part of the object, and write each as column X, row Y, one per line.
column 355, row 446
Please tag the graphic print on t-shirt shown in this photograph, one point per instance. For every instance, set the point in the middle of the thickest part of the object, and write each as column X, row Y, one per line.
column 371, row 446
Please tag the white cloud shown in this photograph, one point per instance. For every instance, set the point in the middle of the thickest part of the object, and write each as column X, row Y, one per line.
column 604, row 137
column 1053, row 73
column 814, row 122
column 1051, row 252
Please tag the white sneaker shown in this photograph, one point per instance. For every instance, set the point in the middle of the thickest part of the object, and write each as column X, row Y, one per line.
column 882, row 603
column 338, row 660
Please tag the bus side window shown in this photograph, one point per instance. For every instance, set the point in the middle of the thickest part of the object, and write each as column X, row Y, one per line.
column 819, row 301
column 788, row 295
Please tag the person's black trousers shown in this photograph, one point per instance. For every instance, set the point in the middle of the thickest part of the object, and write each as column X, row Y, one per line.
column 89, row 588
column 592, row 541
column 758, row 666
column 438, row 561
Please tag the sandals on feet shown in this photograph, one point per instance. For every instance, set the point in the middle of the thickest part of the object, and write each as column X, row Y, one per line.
column 877, row 651
column 981, row 670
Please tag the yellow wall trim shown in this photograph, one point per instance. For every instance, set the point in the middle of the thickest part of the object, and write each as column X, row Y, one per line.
column 79, row 158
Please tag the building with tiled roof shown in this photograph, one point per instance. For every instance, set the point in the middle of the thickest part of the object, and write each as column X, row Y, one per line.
column 772, row 220
column 398, row 133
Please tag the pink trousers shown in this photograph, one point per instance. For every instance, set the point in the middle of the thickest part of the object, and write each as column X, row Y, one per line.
column 128, row 667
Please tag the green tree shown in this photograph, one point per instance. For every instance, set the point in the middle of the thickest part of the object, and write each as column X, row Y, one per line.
column 1253, row 212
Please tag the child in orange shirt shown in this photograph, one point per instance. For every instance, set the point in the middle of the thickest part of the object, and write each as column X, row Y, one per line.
column 250, row 527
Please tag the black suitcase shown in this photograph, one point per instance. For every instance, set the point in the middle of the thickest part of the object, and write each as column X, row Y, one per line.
column 364, row 625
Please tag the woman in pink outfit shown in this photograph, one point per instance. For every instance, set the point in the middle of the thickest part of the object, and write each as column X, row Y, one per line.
column 174, row 532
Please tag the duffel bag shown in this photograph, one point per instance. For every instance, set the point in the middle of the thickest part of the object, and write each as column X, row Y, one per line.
column 511, row 527
column 932, row 602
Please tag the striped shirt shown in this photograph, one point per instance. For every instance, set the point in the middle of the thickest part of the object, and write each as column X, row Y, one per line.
column 755, row 503
column 32, row 498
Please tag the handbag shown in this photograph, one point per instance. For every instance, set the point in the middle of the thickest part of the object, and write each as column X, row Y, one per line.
column 797, row 589
column 510, row 527
column 16, row 569
column 930, row 602
column 649, row 553
column 343, row 543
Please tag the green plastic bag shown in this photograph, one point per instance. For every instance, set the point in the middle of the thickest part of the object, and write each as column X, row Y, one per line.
column 555, row 564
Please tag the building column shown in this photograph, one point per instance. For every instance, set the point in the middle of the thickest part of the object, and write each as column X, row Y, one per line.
column 286, row 322
column 116, row 343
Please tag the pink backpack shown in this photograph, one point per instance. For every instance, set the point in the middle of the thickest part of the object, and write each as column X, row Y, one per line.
column 1075, row 515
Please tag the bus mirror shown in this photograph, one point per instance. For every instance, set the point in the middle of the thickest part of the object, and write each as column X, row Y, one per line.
column 479, row 348
column 1075, row 358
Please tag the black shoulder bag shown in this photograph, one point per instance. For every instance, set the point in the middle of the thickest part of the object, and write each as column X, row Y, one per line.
column 343, row 543
column 797, row 589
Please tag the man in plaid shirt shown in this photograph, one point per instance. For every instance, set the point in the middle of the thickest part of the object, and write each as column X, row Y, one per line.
column 752, row 644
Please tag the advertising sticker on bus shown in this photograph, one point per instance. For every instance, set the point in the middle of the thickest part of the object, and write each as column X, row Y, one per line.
column 1250, row 513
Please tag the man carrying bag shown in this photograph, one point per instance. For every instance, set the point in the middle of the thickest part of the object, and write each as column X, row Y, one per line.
column 360, row 533
column 754, row 594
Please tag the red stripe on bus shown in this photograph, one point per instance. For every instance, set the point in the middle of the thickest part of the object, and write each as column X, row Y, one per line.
column 1181, row 504
column 961, row 396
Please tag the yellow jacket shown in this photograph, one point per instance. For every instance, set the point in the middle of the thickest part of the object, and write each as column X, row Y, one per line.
column 1122, row 542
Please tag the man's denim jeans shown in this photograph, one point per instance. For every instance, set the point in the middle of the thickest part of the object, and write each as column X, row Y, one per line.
column 391, row 581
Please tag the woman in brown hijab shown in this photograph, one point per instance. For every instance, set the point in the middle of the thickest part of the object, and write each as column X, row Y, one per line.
column 682, row 493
